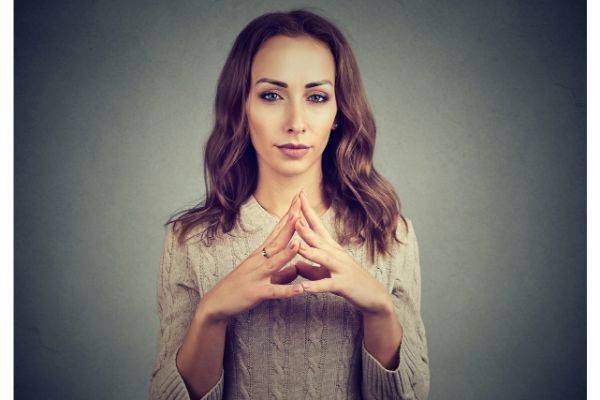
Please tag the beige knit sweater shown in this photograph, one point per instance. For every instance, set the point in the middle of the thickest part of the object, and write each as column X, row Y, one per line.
column 305, row 347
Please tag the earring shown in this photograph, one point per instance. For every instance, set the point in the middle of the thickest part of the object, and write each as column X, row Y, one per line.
column 334, row 126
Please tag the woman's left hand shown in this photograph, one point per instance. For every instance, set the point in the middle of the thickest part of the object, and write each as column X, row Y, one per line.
column 348, row 279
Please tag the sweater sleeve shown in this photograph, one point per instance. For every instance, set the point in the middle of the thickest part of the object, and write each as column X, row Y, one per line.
column 410, row 380
column 177, row 298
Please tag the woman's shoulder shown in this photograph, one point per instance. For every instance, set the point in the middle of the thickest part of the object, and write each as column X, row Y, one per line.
column 404, row 228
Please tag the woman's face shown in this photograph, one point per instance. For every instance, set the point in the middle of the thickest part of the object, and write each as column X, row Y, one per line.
column 281, row 109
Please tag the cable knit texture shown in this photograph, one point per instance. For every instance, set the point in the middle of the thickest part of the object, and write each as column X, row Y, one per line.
column 306, row 347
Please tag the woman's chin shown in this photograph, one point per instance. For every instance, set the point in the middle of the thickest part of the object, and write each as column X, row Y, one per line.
column 290, row 167
column 292, row 170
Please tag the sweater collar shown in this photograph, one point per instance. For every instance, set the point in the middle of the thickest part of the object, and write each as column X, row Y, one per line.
column 254, row 216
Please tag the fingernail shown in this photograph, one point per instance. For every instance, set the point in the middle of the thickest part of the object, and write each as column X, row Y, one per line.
column 291, row 244
column 302, row 222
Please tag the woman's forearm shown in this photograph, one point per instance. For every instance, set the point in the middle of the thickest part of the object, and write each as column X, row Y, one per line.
column 200, row 358
column 383, row 337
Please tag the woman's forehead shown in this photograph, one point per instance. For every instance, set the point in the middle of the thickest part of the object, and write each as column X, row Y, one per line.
column 294, row 61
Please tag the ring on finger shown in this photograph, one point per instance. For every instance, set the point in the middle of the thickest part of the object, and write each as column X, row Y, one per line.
column 264, row 253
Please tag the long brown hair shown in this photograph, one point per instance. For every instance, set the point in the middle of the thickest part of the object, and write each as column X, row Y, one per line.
column 365, row 203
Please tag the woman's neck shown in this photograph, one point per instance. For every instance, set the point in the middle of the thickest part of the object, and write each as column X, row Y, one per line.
column 277, row 198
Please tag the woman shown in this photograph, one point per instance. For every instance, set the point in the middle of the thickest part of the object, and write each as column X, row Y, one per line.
column 270, row 291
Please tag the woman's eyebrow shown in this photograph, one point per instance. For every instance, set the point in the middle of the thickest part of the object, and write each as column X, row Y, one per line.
column 284, row 85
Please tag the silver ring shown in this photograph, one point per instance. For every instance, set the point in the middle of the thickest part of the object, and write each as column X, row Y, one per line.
column 264, row 253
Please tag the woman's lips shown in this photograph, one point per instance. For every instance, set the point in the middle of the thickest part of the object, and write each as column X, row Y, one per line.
column 294, row 153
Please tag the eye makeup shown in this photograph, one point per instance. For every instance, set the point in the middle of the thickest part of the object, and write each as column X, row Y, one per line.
column 267, row 95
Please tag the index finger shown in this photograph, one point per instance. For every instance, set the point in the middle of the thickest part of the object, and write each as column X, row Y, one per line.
column 276, row 261
column 314, row 221
column 281, row 224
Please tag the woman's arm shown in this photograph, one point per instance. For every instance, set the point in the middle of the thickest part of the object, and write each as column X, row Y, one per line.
column 410, row 378
column 383, row 337
column 200, row 358
column 185, row 334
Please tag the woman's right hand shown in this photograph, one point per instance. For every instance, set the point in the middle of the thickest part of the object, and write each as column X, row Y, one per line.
column 251, row 282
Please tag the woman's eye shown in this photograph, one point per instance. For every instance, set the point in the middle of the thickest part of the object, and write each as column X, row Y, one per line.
column 265, row 96
column 272, row 97
column 322, row 97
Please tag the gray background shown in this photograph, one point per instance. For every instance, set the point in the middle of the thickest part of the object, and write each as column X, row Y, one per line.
column 481, row 114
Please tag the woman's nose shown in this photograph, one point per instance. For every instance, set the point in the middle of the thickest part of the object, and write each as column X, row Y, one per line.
column 296, row 122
